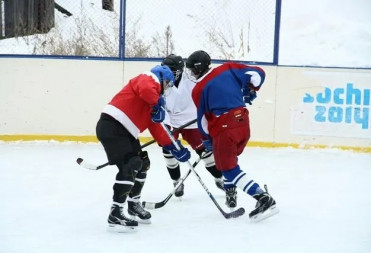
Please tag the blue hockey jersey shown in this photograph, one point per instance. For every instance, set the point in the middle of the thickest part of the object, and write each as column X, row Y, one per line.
column 219, row 91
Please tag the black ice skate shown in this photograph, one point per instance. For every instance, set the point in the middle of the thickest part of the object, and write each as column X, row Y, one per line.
column 231, row 197
column 265, row 207
column 219, row 183
column 135, row 210
column 117, row 222
column 179, row 192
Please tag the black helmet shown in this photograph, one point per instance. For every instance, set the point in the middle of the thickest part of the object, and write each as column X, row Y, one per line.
column 198, row 62
column 175, row 63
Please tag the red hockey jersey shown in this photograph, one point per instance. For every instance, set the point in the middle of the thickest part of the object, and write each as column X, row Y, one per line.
column 132, row 107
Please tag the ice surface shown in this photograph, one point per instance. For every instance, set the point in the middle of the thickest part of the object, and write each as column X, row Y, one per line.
column 51, row 204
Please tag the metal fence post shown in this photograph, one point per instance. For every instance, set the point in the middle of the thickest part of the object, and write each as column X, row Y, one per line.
column 1, row 20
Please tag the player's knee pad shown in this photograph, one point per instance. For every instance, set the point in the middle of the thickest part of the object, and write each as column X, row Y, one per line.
column 146, row 163
column 129, row 169
column 134, row 163
column 170, row 161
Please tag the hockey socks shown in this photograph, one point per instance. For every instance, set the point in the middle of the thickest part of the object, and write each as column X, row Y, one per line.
column 236, row 177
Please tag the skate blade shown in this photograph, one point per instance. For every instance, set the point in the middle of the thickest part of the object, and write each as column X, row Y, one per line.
column 139, row 220
column 121, row 229
column 273, row 210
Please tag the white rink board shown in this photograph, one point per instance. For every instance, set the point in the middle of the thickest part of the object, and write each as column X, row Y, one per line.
column 315, row 106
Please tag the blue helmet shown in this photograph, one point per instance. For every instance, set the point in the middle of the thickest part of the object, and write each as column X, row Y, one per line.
column 163, row 73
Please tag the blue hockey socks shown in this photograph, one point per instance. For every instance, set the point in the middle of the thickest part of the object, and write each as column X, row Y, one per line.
column 236, row 177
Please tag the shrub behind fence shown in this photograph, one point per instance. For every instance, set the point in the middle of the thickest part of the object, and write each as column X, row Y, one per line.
column 229, row 30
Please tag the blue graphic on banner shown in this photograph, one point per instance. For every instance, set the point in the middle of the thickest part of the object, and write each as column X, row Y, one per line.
column 342, row 105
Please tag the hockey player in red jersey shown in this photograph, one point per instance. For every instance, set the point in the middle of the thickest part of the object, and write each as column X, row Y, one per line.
column 220, row 96
column 181, row 110
column 137, row 107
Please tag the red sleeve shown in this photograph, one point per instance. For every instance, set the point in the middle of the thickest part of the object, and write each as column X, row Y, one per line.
column 159, row 134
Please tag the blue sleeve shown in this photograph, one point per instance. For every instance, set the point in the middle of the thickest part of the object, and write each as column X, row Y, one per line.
column 249, row 75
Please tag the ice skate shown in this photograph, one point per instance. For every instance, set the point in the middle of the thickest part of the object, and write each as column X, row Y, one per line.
column 179, row 192
column 265, row 207
column 117, row 222
column 231, row 197
column 138, row 213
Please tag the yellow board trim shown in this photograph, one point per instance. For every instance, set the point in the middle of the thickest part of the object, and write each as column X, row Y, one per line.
column 60, row 138
column 91, row 138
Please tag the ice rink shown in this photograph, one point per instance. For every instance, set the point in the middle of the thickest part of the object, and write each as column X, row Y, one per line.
column 51, row 204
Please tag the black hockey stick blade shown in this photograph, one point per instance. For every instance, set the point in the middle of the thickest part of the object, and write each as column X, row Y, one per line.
column 234, row 214
column 90, row 166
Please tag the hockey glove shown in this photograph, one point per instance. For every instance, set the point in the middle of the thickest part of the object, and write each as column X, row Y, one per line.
column 181, row 155
column 158, row 112
column 248, row 95
column 208, row 144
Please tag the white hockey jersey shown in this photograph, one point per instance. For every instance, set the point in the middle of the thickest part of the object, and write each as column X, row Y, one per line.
column 179, row 104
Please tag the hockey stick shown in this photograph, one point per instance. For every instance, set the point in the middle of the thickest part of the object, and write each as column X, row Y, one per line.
column 90, row 166
column 155, row 205
column 234, row 214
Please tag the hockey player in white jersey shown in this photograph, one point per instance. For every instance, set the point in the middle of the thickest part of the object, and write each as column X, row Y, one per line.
column 181, row 110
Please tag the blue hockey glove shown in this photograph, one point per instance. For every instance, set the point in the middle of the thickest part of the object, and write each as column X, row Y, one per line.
column 208, row 144
column 181, row 155
column 158, row 112
column 248, row 95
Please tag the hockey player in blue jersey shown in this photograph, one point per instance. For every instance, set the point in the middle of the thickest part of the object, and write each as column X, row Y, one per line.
column 220, row 96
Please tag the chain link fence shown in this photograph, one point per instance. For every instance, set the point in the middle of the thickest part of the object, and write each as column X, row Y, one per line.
column 238, row 29
column 228, row 30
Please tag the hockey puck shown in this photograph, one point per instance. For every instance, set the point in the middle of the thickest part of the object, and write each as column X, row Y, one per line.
column 79, row 160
